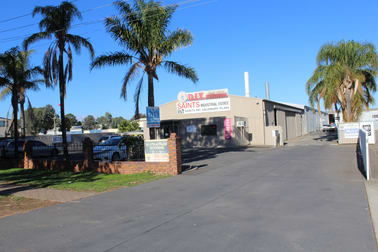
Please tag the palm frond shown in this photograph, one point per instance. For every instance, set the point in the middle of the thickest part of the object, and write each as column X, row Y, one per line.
column 138, row 91
column 181, row 70
column 34, row 38
column 112, row 59
column 5, row 92
column 133, row 71
column 78, row 41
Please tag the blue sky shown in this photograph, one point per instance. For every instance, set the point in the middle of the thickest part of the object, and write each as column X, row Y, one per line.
column 275, row 41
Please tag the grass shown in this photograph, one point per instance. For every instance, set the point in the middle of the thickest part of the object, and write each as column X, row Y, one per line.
column 84, row 181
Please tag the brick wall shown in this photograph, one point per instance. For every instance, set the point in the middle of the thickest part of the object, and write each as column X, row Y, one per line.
column 173, row 167
column 9, row 163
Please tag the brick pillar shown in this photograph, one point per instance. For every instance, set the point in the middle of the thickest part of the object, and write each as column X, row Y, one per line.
column 174, row 148
column 28, row 151
column 88, row 154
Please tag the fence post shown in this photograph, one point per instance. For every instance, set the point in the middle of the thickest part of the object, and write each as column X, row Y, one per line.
column 88, row 153
column 28, row 152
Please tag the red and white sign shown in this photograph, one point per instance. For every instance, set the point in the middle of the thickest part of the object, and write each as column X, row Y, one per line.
column 203, row 102
column 227, row 128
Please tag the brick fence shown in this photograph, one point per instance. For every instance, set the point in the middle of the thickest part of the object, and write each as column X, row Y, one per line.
column 173, row 167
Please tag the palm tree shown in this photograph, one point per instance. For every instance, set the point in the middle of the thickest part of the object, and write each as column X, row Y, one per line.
column 56, row 22
column 344, row 77
column 16, row 76
column 143, row 32
column 24, row 86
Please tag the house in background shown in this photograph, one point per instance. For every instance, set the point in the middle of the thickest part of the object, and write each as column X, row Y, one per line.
column 4, row 126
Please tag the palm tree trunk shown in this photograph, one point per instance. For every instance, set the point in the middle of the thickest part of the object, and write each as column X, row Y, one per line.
column 62, row 87
column 151, row 100
column 15, row 122
column 22, row 107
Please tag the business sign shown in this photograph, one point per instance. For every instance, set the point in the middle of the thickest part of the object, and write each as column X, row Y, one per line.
column 153, row 117
column 370, row 132
column 227, row 128
column 351, row 130
column 203, row 102
column 156, row 151
column 59, row 138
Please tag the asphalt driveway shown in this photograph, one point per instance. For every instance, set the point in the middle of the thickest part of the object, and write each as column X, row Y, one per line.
column 301, row 198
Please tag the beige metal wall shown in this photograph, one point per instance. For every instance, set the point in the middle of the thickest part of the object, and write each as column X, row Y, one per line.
column 249, row 108
column 288, row 118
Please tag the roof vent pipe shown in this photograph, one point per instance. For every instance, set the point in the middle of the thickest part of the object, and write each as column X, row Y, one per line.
column 246, row 81
column 267, row 94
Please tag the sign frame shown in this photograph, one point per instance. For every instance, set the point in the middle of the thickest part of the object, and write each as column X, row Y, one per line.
column 153, row 117
column 156, row 150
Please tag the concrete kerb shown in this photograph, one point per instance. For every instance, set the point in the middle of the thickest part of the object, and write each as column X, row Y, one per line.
column 371, row 189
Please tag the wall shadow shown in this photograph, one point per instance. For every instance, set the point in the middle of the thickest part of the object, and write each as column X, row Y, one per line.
column 360, row 161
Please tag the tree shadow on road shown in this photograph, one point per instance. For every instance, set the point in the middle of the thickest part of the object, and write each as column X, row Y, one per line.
column 201, row 154
column 329, row 137
column 16, row 180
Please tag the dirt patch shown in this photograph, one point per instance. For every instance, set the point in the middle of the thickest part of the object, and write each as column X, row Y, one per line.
column 10, row 205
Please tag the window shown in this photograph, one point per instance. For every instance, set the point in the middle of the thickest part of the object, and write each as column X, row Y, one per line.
column 373, row 116
column 2, row 123
column 209, row 130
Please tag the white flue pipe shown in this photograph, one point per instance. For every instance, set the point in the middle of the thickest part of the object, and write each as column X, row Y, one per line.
column 267, row 93
column 246, row 82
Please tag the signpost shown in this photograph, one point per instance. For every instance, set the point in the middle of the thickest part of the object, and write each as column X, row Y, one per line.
column 153, row 117
column 156, row 150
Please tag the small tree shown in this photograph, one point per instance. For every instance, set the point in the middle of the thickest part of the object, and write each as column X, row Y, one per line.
column 128, row 126
column 89, row 123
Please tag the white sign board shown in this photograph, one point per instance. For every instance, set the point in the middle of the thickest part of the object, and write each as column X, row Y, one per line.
column 59, row 139
column 203, row 102
column 351, row 130
column 156, row 150
column 368, row 127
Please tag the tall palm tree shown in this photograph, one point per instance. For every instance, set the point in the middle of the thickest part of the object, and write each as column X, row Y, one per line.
column 24, row 86
column 142, row 30
column 344, row 77
column 55, row 24
column 15, row 76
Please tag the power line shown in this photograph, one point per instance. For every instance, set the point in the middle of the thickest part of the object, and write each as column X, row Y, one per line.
column 21, row 16
column 29, row 25
column 22, row 37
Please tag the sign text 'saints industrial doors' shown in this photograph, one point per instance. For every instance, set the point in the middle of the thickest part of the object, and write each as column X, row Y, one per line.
column 203, row 102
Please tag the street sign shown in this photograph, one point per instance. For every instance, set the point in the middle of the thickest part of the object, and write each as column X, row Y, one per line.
column 153, row 117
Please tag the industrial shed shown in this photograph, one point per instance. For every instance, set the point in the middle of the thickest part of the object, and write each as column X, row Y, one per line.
column 215, row 118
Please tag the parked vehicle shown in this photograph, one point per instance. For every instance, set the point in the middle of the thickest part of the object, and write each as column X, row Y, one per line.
column 328, row 127
column 39, row 149
column 3, row 144
column 112, row 149
column 104, row 138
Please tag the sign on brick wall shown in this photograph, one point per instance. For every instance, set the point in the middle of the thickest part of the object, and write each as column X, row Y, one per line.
column 156, row 150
